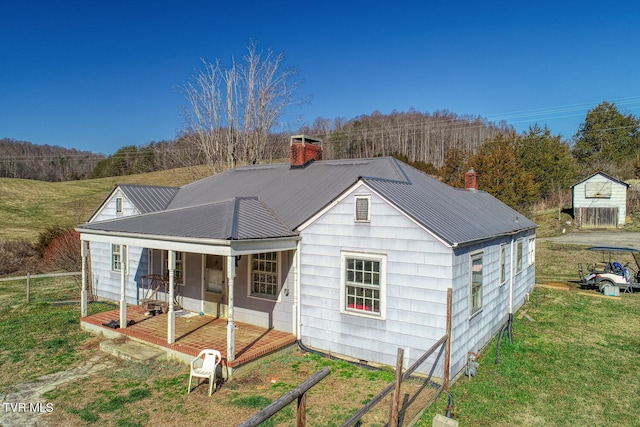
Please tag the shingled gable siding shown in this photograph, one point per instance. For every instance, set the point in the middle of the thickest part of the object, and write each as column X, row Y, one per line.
column 106, row 283
column 471, row 334
column 418, row 275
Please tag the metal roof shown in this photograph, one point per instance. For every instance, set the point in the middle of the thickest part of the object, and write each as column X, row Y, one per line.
column 239, row 218
column 263, row 201
column 455, row 215
column 148, row 198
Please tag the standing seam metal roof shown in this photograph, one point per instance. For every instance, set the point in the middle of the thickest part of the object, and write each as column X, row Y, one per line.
column 262, row 201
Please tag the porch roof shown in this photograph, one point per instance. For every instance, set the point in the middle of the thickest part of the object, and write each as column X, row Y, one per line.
column 236, row 226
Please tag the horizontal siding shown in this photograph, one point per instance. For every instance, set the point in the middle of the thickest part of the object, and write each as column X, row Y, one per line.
column 418, row 275
column 106, row 283
column 472, row 334
column 618, row 197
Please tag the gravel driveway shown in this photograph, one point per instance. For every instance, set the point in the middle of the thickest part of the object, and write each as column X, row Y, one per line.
column 598, row 238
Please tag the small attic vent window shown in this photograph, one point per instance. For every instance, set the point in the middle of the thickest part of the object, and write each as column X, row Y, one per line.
column 362, row 208
column 118, row 205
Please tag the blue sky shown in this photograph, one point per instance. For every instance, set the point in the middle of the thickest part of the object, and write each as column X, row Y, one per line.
column 99, row 75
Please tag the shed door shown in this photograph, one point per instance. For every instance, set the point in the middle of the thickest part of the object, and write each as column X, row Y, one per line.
column 598, row 217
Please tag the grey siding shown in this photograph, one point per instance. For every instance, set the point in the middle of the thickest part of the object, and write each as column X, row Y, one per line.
column 105, row 282
column 471, row 334
column 418, row 275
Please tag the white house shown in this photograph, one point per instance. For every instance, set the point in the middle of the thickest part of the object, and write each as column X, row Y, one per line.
column 356, row 257
column 600, row 201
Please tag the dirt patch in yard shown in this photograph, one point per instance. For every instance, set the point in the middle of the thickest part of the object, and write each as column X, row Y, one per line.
column 136, row 394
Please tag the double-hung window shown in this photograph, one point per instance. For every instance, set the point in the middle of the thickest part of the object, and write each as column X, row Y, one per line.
column 116, row 257
column 519, row 256
column 264, row 275
column 475, row 297
column 503, row 264
column 363, row 283
column 532, row 250
column 178, row 272
column 119, row 201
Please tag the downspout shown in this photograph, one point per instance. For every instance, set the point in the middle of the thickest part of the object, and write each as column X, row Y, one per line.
column 203, row 275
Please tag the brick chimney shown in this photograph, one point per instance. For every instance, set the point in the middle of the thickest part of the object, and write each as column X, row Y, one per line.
column 304, row 151
column 471, row 180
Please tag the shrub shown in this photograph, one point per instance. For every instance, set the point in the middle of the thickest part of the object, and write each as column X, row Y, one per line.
column 62, row 252
column 18, row 257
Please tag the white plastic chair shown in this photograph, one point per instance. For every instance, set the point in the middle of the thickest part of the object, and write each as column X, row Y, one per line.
column 205, row 367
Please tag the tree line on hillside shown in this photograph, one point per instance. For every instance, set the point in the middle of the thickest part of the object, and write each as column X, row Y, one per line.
column 22, row 159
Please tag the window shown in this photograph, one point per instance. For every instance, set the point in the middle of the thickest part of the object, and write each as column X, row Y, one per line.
column 503, row 264
column 597, row 190
column 178, row 272
column 532, row 250
column 116, row 258
column 264, row 275
column 519, row 256
column 118, row 205
column 476, row 283
column 363, row 279
column 362, row 209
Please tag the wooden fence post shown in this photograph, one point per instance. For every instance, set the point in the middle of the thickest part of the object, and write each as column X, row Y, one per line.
column 395, row 401
column 301, row 417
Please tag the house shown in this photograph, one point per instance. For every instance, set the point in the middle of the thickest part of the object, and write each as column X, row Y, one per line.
column 600, row 201
column 356, row 257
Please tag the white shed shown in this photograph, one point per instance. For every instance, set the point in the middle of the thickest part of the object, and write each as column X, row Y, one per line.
column 600, row 201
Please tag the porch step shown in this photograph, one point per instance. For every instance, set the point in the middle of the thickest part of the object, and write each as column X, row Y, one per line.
column 132, row 350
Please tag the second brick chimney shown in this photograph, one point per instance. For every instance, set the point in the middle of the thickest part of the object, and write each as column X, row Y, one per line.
column 471, row 180
column 304, row 150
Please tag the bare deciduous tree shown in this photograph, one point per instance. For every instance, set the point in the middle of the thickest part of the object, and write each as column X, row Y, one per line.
column 232, row 111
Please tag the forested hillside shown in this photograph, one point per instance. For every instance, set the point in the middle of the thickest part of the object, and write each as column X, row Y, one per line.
column 21, row 159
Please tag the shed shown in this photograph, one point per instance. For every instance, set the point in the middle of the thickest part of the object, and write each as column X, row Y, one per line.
column 600, row 201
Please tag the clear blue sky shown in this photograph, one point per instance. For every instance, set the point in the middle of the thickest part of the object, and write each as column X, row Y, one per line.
column 98, row 75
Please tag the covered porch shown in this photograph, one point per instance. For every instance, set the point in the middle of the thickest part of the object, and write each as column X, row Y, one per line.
column 193, row 333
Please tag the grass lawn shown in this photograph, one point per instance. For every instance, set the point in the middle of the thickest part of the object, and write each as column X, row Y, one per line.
column 575, row 364
column 40, row 338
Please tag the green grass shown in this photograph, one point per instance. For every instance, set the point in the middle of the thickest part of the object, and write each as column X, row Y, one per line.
column 575, row 364
column 28, row 207
column 39, row 338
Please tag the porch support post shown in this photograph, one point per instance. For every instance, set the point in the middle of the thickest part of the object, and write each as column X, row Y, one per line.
column 171, row 326
column 123, row 282
column 84, row 249
column 231, row 274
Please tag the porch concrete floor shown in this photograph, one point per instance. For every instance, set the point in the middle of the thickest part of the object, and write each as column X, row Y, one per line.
column 195, row 333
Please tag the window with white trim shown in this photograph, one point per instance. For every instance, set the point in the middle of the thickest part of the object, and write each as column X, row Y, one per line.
column 503, row 264
column 519, row 256
column 363, row 283
column 264, row 275
column 178, row 272
column 116, row 258
column 532, row 250
column 476, row 279
column 362, row 208
column 119, row 202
